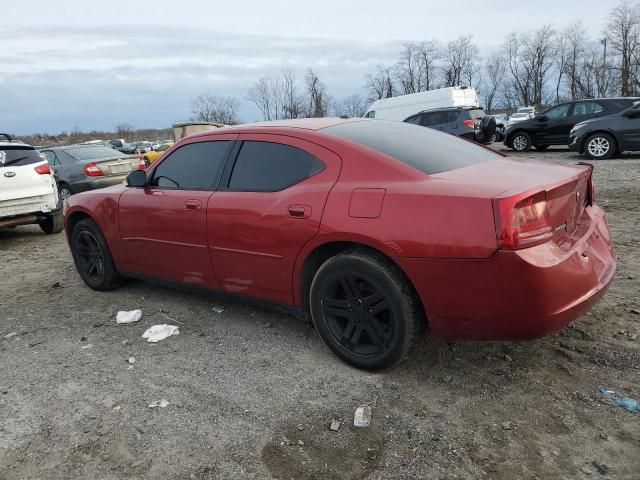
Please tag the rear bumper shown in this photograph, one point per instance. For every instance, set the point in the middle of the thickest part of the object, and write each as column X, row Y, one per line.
column 93, row 183
column 516, row 295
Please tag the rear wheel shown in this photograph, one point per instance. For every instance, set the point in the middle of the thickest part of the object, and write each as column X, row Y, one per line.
column 64, row 191
column 600, row 146
column 52, row 223
column 364, row 310
column 521, row 142
column 92, row 256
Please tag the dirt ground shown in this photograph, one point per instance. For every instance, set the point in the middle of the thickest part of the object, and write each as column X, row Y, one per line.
column 252, row 391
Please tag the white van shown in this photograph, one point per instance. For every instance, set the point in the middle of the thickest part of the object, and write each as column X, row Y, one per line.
column 403, row 106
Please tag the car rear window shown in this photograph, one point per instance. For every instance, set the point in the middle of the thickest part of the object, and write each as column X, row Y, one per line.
column 476, row 113
column 422, row 148
column 18, row 155
column 89, row 153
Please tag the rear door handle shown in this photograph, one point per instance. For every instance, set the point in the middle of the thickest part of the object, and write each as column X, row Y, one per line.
column 193, row 204
column 299, row 211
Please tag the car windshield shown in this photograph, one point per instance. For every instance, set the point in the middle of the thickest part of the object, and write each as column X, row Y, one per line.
column 18, row 155
column 89, row 153
column 422, row 148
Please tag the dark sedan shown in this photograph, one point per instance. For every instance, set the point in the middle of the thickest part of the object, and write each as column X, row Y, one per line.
column 86, row 167
column 604, row 137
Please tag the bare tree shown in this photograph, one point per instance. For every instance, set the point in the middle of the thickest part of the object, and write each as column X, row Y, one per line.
column 429, row 54
column 209, row 108
column 125, row 131
column 461, row 62
column 495, row 69
column 574, row 54
column 623, row 33
column 318, row 99
column 351, row 106
column 380, row 84
column 277, row 97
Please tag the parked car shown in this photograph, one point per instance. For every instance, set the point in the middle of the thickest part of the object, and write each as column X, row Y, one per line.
column 403, row 106
column 516, row 118
column 604, row 137
column 552, row 127
column 154, row 154
column 131, row 147
column 28, row 192
column 86, row 167
column 471, row 123
column 358, row 225
column 118, row 143
column 530, row 111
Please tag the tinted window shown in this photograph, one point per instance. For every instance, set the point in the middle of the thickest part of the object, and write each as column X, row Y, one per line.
column 193, row 166
column 620, row 104
column 451, row 116
column 558, row 112
column 51, row 157
column 587, row 108
column 432, row 118
column 18, row 155
column 90, row 153
column 371, row 114
column 476, row 113
column 269, row 167
column 425, row 149
column 415, row 119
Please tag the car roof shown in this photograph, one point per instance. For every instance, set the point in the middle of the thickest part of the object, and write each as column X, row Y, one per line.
column 312, row 124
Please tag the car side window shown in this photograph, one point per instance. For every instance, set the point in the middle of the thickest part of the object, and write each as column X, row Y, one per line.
column 451, row 116
column 432, row 118
column 51, row 158
column 271, row 167
column 558, row 112
column 587, row 108
column 415, row 119
column 195, row 166
column 371, row 114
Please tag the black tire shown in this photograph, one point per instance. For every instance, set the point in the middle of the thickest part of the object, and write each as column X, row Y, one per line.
column 52, row 223
column 365, row 310
column 600, row 146
column 64, row 191
column 92, row 256
column 520, row 142
column 488, row 125
column 541, row 147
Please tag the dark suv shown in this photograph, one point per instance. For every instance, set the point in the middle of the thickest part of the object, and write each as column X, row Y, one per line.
column 602, row 138
column 471, row 123
column 552, row 126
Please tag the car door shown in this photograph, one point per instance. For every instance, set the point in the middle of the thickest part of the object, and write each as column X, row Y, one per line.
column 553, row 126
column 56, row 165
column 269, row 205
column 630, row 128
column 163, row 226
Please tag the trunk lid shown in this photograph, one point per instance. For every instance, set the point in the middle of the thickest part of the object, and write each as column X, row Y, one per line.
column 118, row 166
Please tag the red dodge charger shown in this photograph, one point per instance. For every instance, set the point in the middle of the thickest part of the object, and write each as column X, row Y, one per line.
column 373, row 229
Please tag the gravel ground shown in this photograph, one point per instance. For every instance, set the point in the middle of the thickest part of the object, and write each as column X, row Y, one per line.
column 252, row 391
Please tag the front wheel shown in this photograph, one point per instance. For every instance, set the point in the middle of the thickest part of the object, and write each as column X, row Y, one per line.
column 521, row 142
column 52, row 223
column 92, row 256
column 600, row 146
column 365, row 310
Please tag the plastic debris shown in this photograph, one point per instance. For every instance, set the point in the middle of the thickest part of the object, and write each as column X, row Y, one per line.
column 160, row 332
column 86, row 347
column 612, row 398
column 219, row 309
column 128, row 317
column 131, row 360
column 602, row 468
column 362, row 417
column 9, row 335
column 335, row 425
column 159, row 404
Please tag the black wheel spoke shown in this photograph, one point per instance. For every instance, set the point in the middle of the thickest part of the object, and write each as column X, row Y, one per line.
column 380, row 336
column 336, row 307
column 83, row 250
column 351, row 334
column 350, row 286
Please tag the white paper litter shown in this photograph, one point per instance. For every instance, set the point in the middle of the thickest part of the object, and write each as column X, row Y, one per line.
column 159, row 332
column 159, row 403
column 362, row 417
column 9, row 335
column 218, row 308
column 87, row 346
column 128, row 317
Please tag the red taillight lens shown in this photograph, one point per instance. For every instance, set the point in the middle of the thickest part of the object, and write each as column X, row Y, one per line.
column 92, row 170
column 43, row 169
column 142, row 163
column 522, row 222
column 469, row 123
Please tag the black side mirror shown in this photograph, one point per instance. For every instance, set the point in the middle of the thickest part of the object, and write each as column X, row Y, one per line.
column 631, row 113
column 137, row 178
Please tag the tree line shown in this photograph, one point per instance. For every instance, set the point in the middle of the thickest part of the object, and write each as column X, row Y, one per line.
column 538, row 68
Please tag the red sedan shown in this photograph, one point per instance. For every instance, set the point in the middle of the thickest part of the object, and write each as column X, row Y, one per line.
column 373, row 229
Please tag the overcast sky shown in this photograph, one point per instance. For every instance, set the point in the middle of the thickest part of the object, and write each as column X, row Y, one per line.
column 93, row 64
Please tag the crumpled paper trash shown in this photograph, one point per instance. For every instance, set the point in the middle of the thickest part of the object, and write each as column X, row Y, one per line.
column 128, row 317
column 159, row 332
column 159, row 404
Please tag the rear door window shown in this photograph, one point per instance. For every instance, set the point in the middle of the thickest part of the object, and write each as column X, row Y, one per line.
column 431, row 118
column 271, row 167
column 424, row 149
column 18, row 155
column 587, row 108
column 415, row 119
column 195, row 166
column 560, row 111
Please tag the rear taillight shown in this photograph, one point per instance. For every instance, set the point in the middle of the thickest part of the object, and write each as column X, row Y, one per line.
column 43, row 169
column 92, row 170
column 142, row 163
column 469, row 123
column 523, row 220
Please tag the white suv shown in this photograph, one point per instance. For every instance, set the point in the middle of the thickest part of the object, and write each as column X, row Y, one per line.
column 28, row 191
